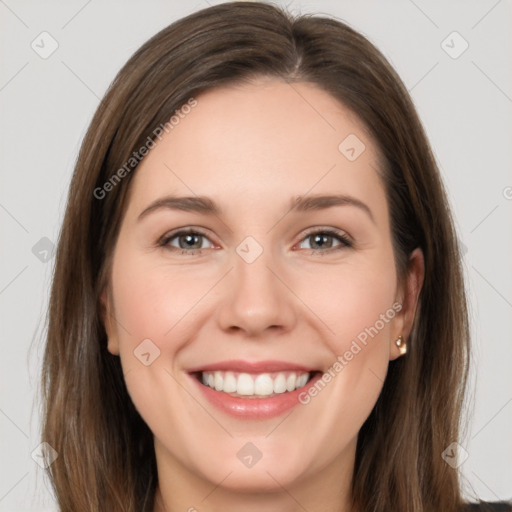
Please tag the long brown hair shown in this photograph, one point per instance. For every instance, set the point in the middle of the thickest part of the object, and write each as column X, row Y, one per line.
column 106, row 457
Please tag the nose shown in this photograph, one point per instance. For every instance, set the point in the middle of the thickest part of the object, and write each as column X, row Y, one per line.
column 257, row 298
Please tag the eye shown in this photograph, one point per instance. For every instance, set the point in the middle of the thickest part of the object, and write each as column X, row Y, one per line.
column 323, row 239
column 189, row 241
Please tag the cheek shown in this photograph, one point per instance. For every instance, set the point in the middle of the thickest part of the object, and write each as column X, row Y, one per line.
column 149, row 302
column 355, row 303
column 152, row 298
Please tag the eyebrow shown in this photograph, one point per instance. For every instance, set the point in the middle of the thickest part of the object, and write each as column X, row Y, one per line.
column 320, row 202
column 204, row 205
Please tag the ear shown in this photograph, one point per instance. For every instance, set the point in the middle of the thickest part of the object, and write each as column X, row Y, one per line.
column 408, row 294
column 108, row 319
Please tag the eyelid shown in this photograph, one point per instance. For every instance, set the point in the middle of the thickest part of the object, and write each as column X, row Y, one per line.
column 327, row 230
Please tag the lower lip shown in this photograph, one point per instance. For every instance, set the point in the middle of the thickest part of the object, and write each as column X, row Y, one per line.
column 255, row 408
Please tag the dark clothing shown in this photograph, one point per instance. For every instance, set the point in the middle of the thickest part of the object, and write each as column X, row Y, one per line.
column 488, row 507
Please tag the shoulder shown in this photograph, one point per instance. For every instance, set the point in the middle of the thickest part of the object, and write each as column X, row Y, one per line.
column 485, row 506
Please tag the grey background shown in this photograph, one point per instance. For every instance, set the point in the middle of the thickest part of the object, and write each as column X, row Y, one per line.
column 46, row 104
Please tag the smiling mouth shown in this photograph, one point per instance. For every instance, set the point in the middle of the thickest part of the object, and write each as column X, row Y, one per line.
column 254, row 385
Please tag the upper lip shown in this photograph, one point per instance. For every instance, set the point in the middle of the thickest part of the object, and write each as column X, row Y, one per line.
column 241, row 366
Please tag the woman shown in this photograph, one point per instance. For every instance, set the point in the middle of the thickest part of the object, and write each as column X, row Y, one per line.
column 199, row 356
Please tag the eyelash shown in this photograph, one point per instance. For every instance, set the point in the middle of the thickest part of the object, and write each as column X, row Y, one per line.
column 344, row 241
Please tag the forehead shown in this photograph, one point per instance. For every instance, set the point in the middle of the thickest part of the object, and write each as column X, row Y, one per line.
column 258, row 141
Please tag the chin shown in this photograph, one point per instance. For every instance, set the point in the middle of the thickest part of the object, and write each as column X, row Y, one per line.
column 256, row 480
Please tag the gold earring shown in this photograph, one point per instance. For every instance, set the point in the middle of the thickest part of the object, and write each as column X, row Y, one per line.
column 401, row 344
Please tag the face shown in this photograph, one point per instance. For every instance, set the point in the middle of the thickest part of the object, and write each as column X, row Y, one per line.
column 257, row 281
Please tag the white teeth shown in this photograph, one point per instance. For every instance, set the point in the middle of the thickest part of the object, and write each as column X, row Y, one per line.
column 229, row 383
column 263, row 384
column 218, row 380
column 291, row 381
column 245, row 384
column 280, row 383
column 301, row 381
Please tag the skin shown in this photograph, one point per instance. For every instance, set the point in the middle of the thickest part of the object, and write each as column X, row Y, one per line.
column 251, row 148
